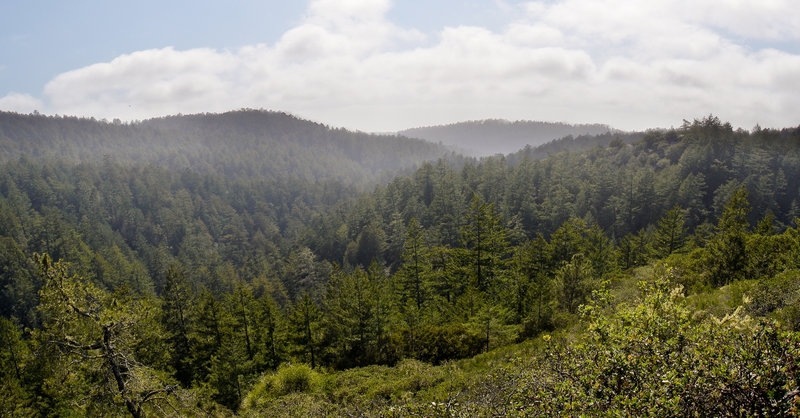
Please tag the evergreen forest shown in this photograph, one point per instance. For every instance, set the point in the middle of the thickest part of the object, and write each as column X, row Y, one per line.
column 253, row 263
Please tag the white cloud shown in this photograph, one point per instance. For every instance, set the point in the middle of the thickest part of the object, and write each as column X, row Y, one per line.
column 758, row 19
column 534, row 35
column 345, row 12
column 632, row 64
column 21, row 103
column 146, row 83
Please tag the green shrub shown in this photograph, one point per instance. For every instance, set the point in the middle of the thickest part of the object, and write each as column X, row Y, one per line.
column 288, row 379
column 778, row 297
column 654, row 358
column 295, row 378
column 437, row 344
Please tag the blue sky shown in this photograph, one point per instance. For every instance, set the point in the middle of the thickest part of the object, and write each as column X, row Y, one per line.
column 381, row 65
column 41, row 39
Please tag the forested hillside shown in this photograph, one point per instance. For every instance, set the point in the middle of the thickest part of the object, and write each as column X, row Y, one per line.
column 245, row 143
column 573, row 143
column 497, row 136
column 657, row 276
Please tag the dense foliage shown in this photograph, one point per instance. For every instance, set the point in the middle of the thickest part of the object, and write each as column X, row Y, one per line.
column 221, row 288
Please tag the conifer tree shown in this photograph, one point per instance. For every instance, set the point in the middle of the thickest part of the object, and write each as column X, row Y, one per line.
column 269, row 332
column 726, row 251
column 207, row 335
column 383, row 305
column 95, row 334
column 176, row 307
column 15, row 354
column 670, row 233
column 349, row 306
column 574, row 283
column 305, row 329
column 533, row 277
column 486, row 241
column 412, row 274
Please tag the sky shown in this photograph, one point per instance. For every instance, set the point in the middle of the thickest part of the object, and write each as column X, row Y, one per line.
column 383, row 65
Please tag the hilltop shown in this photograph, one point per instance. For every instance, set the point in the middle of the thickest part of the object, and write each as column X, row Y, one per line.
column 243, row 143
column 498, row 136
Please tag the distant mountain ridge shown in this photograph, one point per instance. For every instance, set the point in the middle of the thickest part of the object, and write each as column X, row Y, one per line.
column 499, row 136
column 249, row 143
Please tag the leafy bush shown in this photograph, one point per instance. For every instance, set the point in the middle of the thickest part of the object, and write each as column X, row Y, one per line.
column 778, row 297
column 655, row 358
column 437, row 344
